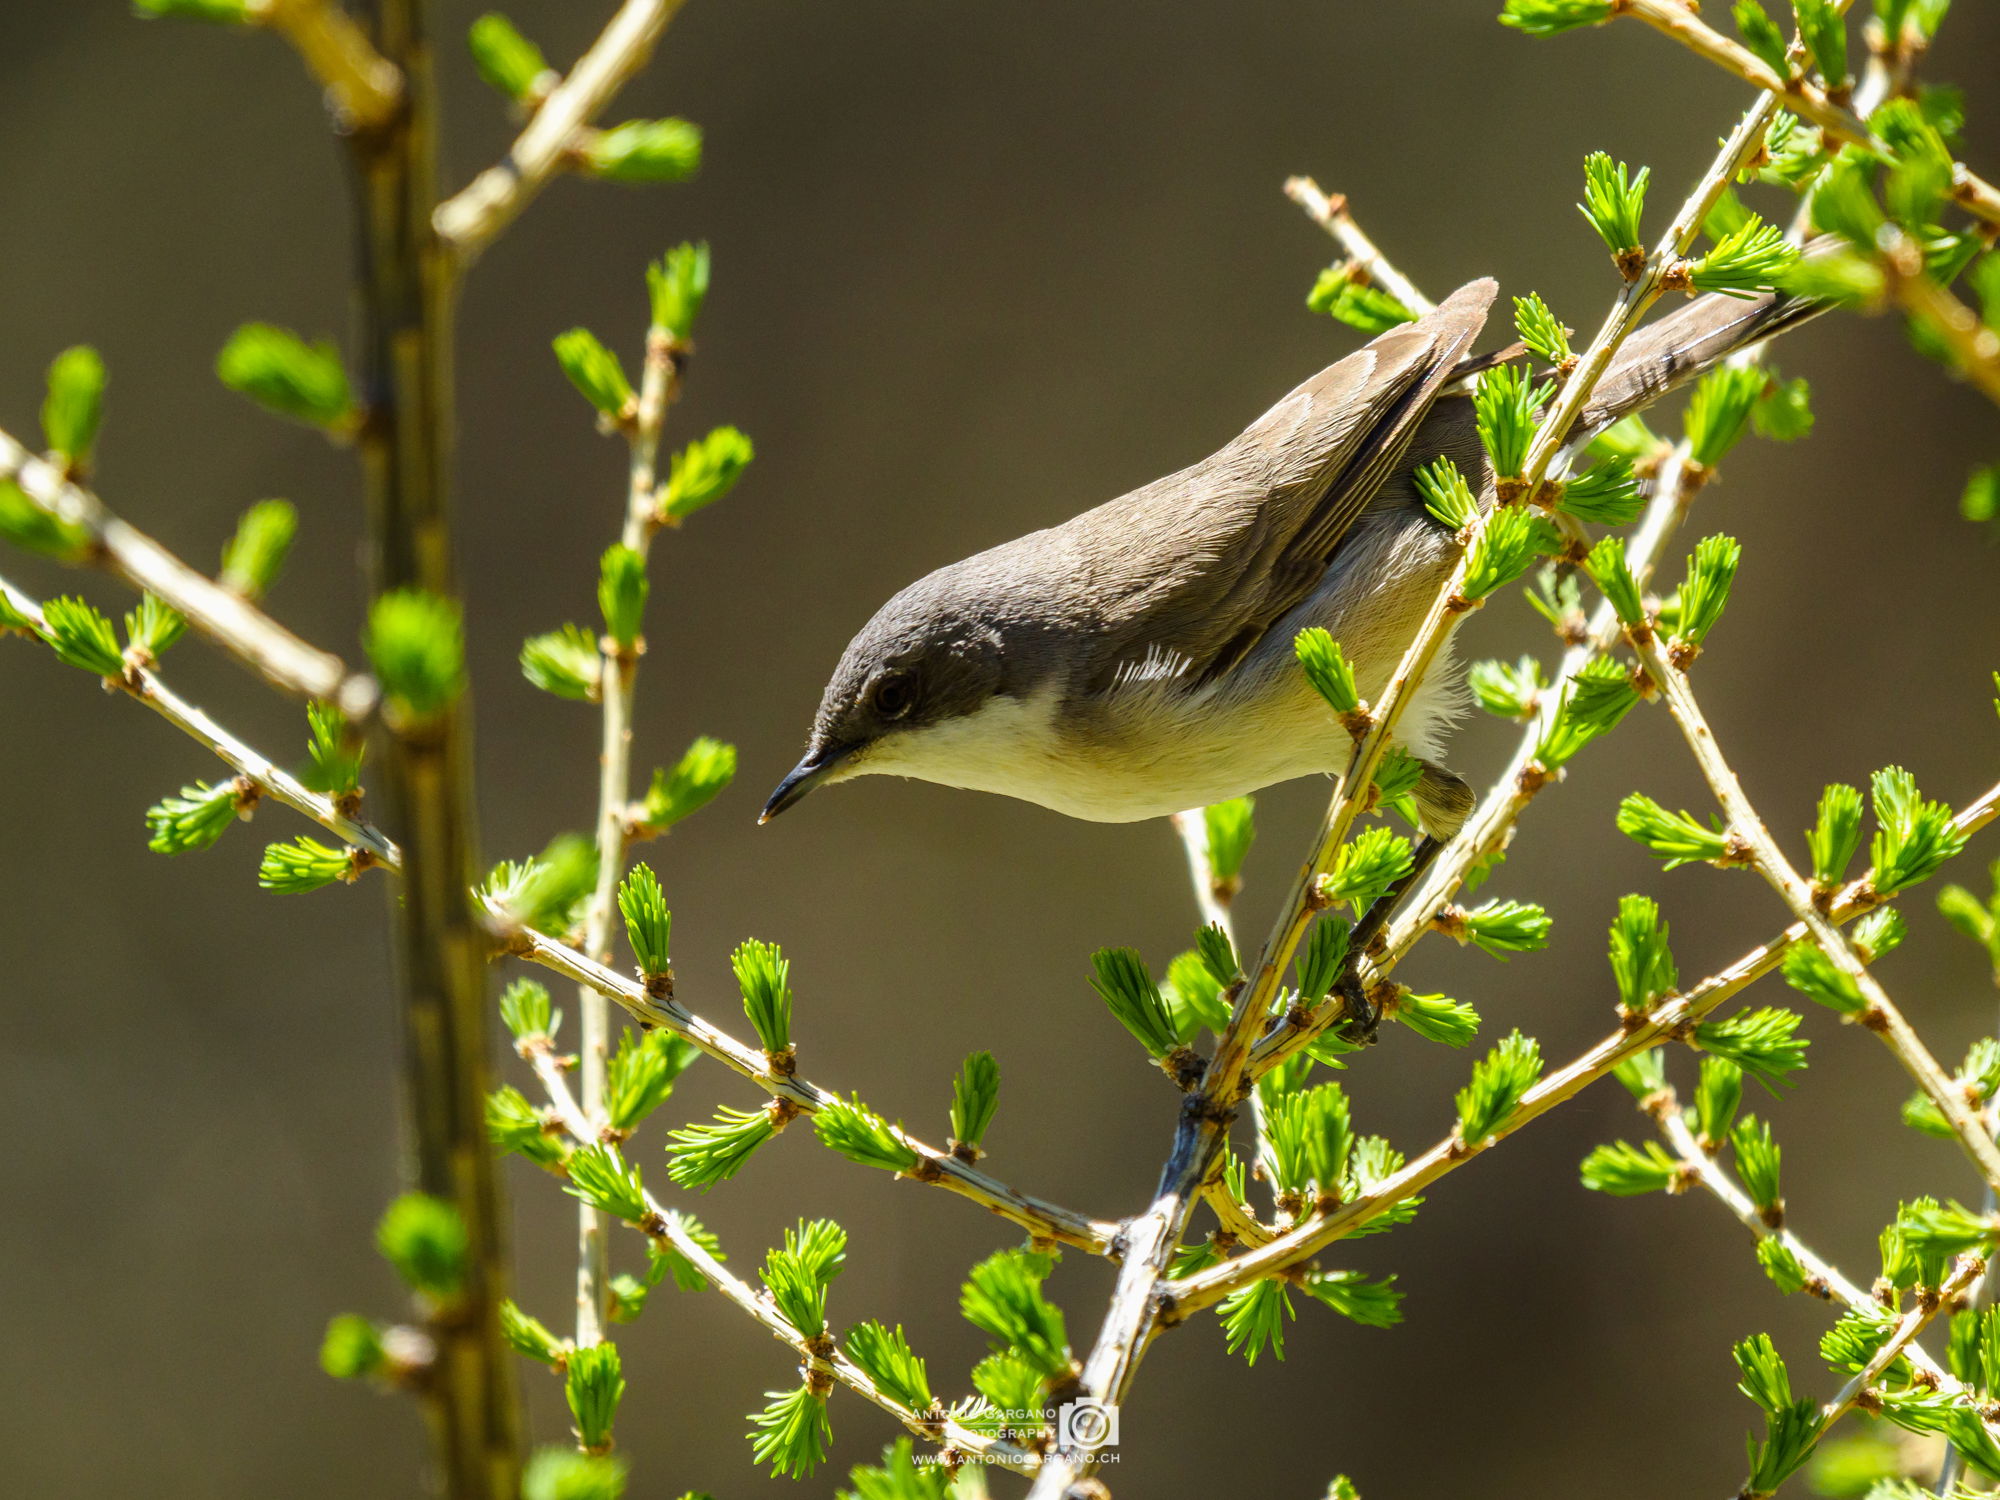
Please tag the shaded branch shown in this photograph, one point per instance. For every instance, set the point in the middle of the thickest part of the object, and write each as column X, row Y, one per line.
column 423, row 770
column 363, row 87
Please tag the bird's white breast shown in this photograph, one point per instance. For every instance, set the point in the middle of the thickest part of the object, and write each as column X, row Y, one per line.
column 1141, row 753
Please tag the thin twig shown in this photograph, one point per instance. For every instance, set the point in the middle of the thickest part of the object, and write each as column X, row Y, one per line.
column 618, row 676
column 1040, row 1218
column 469, row 221
column 1330, row 213
column 1235, row 1218
column 1929, row 1304
column 1491, row 826
column 1823, row 1278
column 264, row 645
column 1881, row 1015
column 664, row 1224
column 1192, row 826
column 1640, row 293
column 1669, row 1020
column 145, row 686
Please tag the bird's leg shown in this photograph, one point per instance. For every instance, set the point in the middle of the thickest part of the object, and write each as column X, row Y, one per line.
column 1362, row 1015
column 1444, row 800
column 1369, row 928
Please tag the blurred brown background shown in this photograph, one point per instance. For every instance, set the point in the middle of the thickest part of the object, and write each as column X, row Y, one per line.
column 978, row 267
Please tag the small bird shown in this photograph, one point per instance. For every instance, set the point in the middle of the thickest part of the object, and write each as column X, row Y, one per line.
column 1138, row 659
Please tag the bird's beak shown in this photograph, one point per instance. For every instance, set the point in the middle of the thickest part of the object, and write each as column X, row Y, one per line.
column 803, row 777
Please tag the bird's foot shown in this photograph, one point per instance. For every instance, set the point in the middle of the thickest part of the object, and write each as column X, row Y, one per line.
column 1361, row 1017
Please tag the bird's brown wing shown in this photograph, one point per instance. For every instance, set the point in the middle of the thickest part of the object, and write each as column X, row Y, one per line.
column 1319, row 457
column 1183, row 577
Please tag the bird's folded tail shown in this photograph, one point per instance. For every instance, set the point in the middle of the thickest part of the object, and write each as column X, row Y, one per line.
column 1685, row 345
column 1681, row 347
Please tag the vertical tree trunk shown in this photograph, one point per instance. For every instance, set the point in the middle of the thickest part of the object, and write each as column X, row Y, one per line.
column 424, row 777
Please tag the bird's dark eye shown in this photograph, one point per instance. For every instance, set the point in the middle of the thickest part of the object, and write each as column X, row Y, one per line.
column 893, row 694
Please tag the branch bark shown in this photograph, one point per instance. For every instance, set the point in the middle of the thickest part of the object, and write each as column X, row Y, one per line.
column 362, row 86
column 424, row 773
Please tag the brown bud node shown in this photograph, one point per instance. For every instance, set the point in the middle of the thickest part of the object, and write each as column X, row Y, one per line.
column 1737, row 850
column 1185, row 1066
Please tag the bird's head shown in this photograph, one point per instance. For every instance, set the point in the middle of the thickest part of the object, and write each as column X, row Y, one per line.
column 929, row 662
